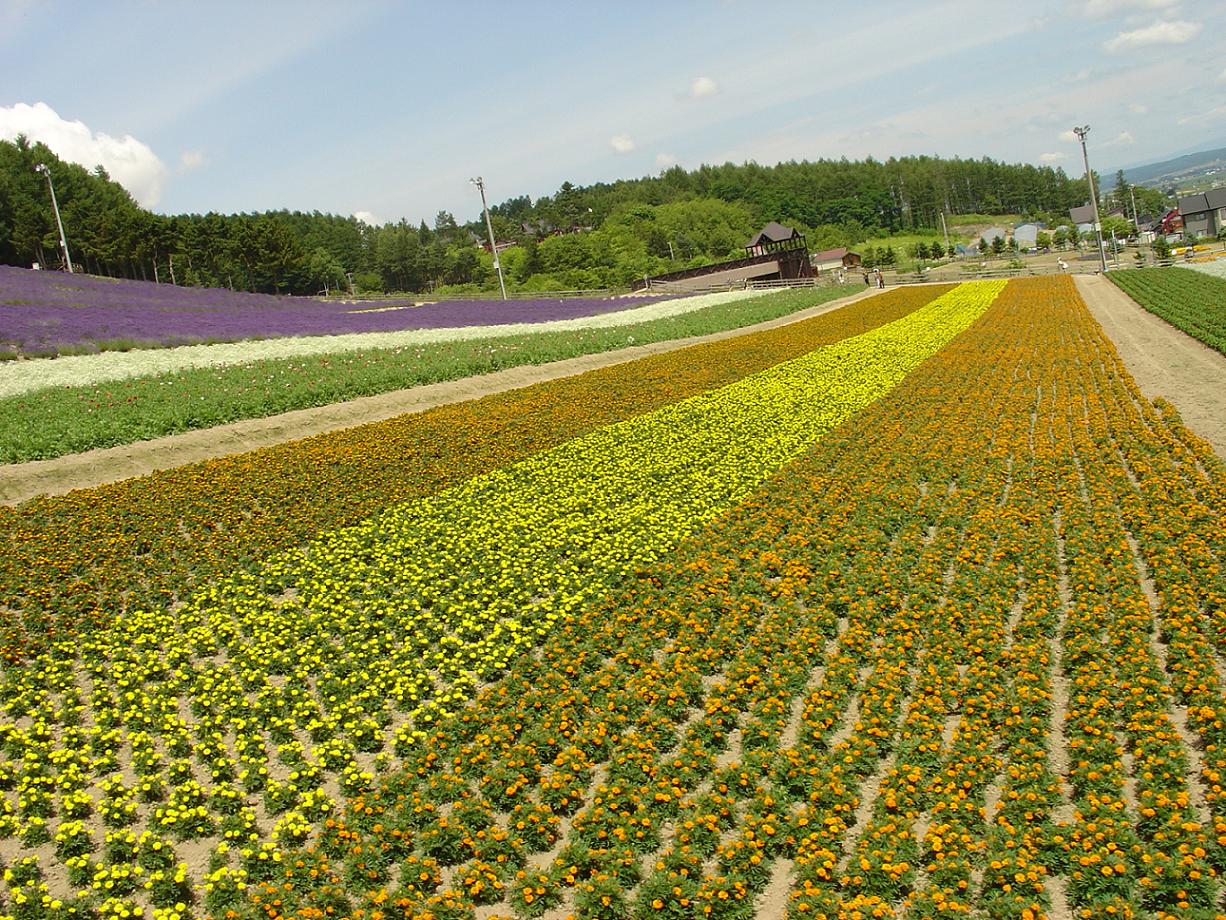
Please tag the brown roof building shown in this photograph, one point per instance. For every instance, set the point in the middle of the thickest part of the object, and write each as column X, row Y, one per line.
column 775, row 253
column 842, row 257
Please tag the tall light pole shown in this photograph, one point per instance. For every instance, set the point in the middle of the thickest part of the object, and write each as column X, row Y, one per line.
column 55, row 206
column 1098, row 224
column 489, row 228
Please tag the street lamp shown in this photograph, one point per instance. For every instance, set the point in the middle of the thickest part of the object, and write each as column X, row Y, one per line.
column 480, row 184
column 1098, row 224
column 55, row 206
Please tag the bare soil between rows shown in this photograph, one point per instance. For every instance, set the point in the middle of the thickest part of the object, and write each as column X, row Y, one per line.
column 22, row 481
column 1163, row 360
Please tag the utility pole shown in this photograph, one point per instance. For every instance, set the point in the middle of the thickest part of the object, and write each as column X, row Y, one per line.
column 55, row 206
column 1098, row 224
column 1132, row 193
column 945, row 229
column 489, row 227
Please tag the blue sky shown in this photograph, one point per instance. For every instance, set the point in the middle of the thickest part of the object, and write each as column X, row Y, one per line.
column 387, row 109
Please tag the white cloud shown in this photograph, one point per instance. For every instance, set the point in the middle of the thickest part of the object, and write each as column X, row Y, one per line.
column 191, row 160
column 1137, row 109
column 367, row 218
column 701, row 87
column 665, row 160
column 1069, row 136
column 1100, row 9
column 128, row 161
column 1052, row 157
column 1211, row 116
column 1221, row 78
column 1122, row 139
column 1175, row 32
column 622, row 143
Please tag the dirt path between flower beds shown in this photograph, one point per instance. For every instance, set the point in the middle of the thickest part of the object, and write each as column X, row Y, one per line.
column 22, row 481
column 1163, row 360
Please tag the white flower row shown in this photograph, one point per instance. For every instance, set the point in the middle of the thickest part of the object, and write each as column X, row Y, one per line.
column 1217, row 267
column 17, row 377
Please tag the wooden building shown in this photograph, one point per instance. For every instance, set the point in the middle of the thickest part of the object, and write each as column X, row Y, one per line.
column 775, row 253
column 829, row 259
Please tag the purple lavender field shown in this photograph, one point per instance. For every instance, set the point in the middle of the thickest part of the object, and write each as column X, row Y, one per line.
column 48, row 313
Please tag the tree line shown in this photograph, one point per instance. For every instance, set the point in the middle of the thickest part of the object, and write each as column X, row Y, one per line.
column 602, row 235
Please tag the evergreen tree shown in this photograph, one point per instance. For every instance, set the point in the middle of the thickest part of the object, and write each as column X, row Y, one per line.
column 707, row 214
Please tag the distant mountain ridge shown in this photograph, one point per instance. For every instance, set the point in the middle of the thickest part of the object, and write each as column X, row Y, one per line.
column 1153, row 174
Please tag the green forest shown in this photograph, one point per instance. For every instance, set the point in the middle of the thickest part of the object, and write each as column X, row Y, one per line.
column 582, row 237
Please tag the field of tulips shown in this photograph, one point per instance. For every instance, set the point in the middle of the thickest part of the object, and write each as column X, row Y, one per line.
column 1193, row 301
column 911, row 610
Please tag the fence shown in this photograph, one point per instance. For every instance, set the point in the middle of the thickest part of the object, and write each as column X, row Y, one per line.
column 1091, row 267
column 743, row 285
column 953, row 271
column 478, row 295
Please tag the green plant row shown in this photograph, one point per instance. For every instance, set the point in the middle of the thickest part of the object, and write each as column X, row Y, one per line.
column 51, row 423
column 1190, row 301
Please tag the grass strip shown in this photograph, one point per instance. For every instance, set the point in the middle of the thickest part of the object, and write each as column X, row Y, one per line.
column 56, row 421
column 83, row 557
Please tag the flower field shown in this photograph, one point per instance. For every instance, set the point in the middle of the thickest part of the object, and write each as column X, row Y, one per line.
column 1192, row 301
column 1215, row 267
column 68, row 404
column 48, row 313
column 103, row 367
column 913, row 609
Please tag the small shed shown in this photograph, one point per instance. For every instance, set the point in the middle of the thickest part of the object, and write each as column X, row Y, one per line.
column 1026, row 236
column 827, row 259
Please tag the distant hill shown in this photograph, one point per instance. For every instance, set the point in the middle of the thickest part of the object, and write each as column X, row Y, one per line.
column 1178, row 169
